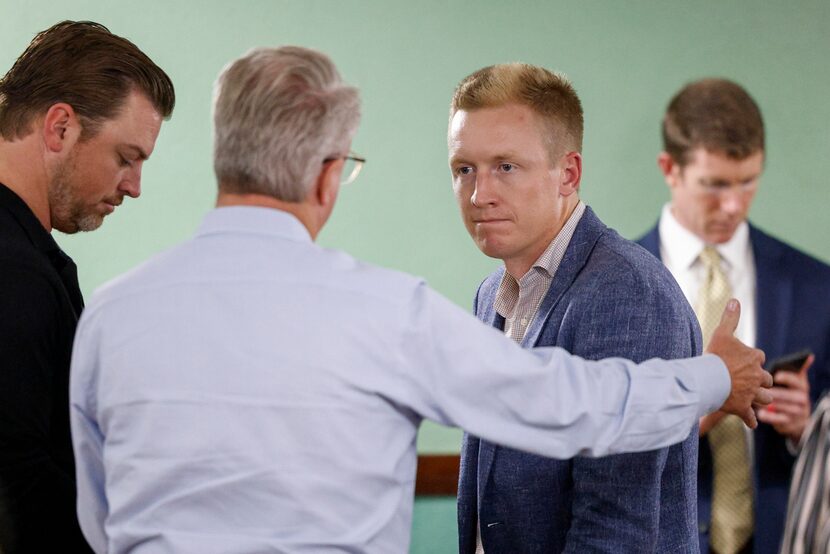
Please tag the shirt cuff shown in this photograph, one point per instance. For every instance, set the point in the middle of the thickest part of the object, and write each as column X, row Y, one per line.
column 712, row 380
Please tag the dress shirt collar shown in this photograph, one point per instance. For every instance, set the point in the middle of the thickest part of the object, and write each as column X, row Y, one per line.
column 542, row 271
column 552, row 256
column 254, row 220
column 686, row 246
column 40, row 238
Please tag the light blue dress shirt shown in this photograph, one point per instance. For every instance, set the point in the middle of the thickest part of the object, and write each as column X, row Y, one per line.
column 249, row 391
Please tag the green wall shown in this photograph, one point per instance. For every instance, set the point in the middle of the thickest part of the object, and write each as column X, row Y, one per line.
column 626, row 59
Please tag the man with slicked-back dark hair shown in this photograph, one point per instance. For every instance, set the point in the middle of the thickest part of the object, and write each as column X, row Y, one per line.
column 80, row 111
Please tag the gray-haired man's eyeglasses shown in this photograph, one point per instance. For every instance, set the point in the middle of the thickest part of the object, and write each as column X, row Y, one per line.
column 351, row 167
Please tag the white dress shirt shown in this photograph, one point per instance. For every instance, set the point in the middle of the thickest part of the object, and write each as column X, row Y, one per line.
column 680, row 248
column 249, row 391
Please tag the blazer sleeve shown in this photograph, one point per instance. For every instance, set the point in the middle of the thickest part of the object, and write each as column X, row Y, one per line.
column 616, row 503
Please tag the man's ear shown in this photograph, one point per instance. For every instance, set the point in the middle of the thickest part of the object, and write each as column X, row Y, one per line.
column 61, row 128
column 327, row 184
column 669, row 168
column 571, row 168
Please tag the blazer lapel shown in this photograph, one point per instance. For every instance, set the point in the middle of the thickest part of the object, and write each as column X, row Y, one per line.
column 486, row 312
column 585, row 236
column 485, row 307
column 651, row 240
column 773, row 294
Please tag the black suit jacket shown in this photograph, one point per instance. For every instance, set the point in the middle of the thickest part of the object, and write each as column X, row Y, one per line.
column 40, row 302
column 793, row 313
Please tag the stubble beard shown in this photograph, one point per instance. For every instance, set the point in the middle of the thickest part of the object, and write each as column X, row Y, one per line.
column 68, row 212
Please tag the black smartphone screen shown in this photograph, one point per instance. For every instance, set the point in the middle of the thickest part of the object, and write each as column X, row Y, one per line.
column 789, row 362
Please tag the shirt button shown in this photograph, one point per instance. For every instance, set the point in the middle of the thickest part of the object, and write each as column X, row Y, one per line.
column 524, row 321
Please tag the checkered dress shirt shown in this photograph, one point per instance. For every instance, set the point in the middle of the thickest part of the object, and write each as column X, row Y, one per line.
column 518, row 301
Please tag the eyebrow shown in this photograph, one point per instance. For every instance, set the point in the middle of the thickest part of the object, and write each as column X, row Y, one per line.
column 727, row 182
column 142, row 155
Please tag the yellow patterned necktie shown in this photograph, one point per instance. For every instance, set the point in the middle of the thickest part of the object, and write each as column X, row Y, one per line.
column 732, row 513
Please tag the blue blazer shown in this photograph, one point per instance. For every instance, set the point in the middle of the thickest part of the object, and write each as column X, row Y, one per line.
column 793, row 313
column 608, row 298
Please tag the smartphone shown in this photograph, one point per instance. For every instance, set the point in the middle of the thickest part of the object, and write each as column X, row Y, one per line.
column 789, row 362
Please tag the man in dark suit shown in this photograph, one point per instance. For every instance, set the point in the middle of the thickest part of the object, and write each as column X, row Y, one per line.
column 80, row 111
column 568, row 280
column 712, row 161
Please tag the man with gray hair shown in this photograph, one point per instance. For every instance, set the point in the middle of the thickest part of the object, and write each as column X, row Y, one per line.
column 248, row 391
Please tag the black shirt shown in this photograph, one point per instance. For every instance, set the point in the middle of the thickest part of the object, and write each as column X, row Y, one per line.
column 40, row 302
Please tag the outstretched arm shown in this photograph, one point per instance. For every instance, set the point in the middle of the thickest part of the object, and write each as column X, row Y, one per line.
column 459, row 372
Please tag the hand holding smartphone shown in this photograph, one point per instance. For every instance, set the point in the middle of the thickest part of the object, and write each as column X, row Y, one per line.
column 790, row 409
column 790, row 362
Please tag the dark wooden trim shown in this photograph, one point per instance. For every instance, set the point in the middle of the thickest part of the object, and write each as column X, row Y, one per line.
column 437, row 475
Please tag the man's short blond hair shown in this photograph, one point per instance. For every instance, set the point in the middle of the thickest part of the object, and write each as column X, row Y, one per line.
column 548, row 94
